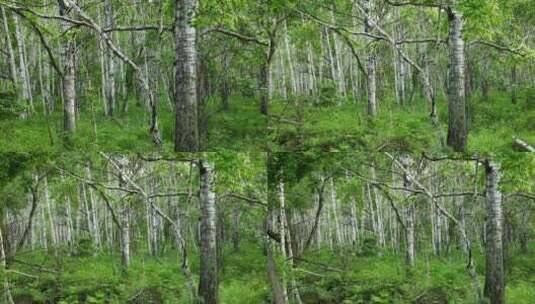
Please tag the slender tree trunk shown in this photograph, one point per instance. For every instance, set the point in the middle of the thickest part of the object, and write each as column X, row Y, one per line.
column 186, row 103
column 7, row 288
column 494, row 276
column 406, row 161
column 289, row 58
column 68, row 79
column 208, row 285
column 10, row 51
column 457, row 124
column 23, row 68
column 370, row 67
column 334, row 207
column 52, row 225
column 399, row 67
column 112, row 64
column 124, row 218
column 338, row 60
column 267, row 80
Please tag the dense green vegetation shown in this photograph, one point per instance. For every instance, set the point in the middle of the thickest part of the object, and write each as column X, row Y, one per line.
column 272, row 151
column 304, row 127
column 353, row 277
column 281, row 75
column 239, row 128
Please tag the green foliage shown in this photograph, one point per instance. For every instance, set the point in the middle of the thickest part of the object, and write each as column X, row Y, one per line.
column 493, row 124
column 241, row 128
column 10, row 107
column 347, row 128
column 369, row 245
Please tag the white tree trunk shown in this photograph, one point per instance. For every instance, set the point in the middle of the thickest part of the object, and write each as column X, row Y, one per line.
column 208, row 285
column 186, row 124
column 10, row 51
column 68, row 80
column 494, row 277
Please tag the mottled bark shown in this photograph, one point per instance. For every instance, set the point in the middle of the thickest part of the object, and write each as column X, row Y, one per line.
column 208, row 284
column 68, row 79
column 186, row 104
column 494, row 276
column 457, row 124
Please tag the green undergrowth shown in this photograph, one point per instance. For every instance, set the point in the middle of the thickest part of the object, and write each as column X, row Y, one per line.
column 239, row 128
column 321, row 276
column 493, row 124
column 352, row 278
column 100, row 279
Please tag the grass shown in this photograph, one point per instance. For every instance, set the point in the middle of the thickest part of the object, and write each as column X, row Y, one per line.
column 348, row 278
column 99, row 279
column 346, row 127
column 384, row 279
column 493, row 124
column 240, row 128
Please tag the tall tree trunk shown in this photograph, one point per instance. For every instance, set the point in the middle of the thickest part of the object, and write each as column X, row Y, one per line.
column 52, row 225
column 289, row 58
column 186, row 103
column 370, row 67
column 494, row 276
column 457, row 124
column 267, row 80
column 274, row 278
column 399, row 66
column 10, row 51
column 7, row 289
column 68, row 79
column 208, row 284
column 124, row 218
column 23, row 68
column 406, row 161
column 338, row 59
column 112, row 64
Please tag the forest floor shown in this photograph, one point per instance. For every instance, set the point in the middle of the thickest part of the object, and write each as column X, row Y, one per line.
column 240, row 128
column 346, row 127
column 330, row 128
column 343, row 277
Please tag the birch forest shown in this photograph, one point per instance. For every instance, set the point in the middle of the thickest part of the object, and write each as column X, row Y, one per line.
column 268, row 151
